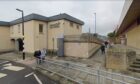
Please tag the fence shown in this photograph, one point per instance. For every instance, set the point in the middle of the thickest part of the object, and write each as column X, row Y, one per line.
column 85, row 75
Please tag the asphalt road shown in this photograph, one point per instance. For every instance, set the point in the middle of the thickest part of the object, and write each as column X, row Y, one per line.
column 15, row 73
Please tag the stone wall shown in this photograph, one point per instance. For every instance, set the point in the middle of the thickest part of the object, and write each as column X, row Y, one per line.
column 119, row 58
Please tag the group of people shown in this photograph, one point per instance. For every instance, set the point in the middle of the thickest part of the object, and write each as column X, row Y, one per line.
column 103, row 46
column 40, row 55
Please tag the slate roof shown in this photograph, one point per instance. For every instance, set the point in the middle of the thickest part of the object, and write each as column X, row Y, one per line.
column 3, row 23
column 34, row 16
column 67, row 17
column 28, row 18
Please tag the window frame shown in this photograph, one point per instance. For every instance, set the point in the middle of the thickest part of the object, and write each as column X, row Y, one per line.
column 71, row 24
column 41, row 28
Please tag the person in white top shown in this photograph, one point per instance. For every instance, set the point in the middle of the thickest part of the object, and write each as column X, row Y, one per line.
column 43, row 54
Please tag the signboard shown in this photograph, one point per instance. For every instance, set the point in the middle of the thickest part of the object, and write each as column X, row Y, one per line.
column 55, row 25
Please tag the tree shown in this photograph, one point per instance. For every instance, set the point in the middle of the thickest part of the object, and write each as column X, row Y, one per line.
column 111, row 34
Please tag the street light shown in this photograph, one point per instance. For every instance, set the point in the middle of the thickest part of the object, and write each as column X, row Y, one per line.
column 23, row 54
column 95, row 22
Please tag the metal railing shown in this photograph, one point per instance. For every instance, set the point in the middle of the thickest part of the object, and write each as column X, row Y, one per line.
column 85, row 75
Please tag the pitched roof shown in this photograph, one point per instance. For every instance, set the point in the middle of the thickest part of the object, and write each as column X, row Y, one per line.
column 67, row 17
column 28, row 18
column 3, row 23
column 44, row 18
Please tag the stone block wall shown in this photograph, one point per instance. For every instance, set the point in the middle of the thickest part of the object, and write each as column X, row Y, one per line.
column 119, row 58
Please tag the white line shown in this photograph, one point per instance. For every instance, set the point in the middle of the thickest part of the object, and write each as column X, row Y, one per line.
column 4, row 62
column 29, row 74
column 38, row 80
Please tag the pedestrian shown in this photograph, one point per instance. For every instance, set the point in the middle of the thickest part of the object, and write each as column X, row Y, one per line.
column 106, row 44
column 43, row 54
column 37, row 55
column 103, row 49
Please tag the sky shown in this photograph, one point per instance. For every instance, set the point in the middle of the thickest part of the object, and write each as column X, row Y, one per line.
column 107, row 11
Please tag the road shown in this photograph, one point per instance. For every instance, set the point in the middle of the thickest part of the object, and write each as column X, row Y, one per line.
column 15, row 73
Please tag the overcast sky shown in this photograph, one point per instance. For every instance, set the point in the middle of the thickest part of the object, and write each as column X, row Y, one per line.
column 108, row 11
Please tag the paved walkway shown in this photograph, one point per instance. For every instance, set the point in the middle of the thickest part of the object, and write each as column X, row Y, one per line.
column 29, row 61
column 79, row 70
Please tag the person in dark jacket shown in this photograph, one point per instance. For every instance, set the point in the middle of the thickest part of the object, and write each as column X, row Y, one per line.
column 37, row 55
column 103, row 49
column 106, row 44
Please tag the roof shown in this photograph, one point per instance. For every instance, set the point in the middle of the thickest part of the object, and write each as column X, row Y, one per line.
column 29, row 17
column 3, row 23
column 131, row 16
column 44, row 18
column 67, row 17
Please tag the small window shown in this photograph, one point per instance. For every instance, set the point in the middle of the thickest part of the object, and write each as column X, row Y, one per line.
column 40, row 28
column 77, row 26
column 71, row 24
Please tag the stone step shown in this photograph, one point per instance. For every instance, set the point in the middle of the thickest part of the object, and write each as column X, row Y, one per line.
column 136, row 62
column 135, row 65
column 138, row 59
column 134, row 69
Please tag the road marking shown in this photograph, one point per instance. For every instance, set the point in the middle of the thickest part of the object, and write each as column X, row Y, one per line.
column 4, row 62
column 38, row 80
column 29, row 74
column 2, row 75
column 14, row 68
column 9, row 64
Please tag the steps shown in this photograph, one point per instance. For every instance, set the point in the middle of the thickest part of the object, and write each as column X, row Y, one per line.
column 135, row 66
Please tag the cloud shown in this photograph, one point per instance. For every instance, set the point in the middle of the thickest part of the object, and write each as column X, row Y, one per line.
column 108, row 12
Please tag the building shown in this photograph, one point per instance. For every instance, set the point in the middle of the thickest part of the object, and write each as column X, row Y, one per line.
column 39, row 32
column 5, row 40
column 129, row 25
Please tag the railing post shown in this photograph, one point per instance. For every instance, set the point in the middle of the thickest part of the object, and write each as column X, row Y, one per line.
column 98, row 76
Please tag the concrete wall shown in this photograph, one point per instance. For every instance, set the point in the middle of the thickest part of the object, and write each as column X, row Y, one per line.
column 63, row 29
column 5, row 41
column 16, row 31
column 29, row 42
column 119, row 57
column 72, row 30
column 33, row 40
column 133, row 38
column 81, row 50
column 54, row 33
column 40, row 39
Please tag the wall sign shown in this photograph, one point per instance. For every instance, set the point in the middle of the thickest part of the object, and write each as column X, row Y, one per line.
column 55, row 25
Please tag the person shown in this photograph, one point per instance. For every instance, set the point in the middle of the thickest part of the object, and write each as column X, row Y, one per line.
column 103, row 49
column 37, row 56
column 43, row 54
column 106, row 44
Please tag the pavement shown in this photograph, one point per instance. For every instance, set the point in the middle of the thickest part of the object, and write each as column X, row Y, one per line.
column 67, row 69
column 21, row 72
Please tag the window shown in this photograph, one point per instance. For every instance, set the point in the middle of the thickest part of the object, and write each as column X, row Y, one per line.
column 71, row 24
column 40, row 28
column 77, row 26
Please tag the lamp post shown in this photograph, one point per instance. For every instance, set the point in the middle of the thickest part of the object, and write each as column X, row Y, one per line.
column 95, row 22
column 23, row 54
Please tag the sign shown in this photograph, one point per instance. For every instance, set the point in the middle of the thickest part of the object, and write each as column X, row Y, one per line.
column 55, row 25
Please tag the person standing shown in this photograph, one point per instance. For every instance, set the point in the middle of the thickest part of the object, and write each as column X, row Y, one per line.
column 103, row 49
column 106, row 44
column 37, row 55
column 43, row 54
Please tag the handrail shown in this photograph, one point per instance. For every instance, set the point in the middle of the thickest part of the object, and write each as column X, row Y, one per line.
column 96, row 74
